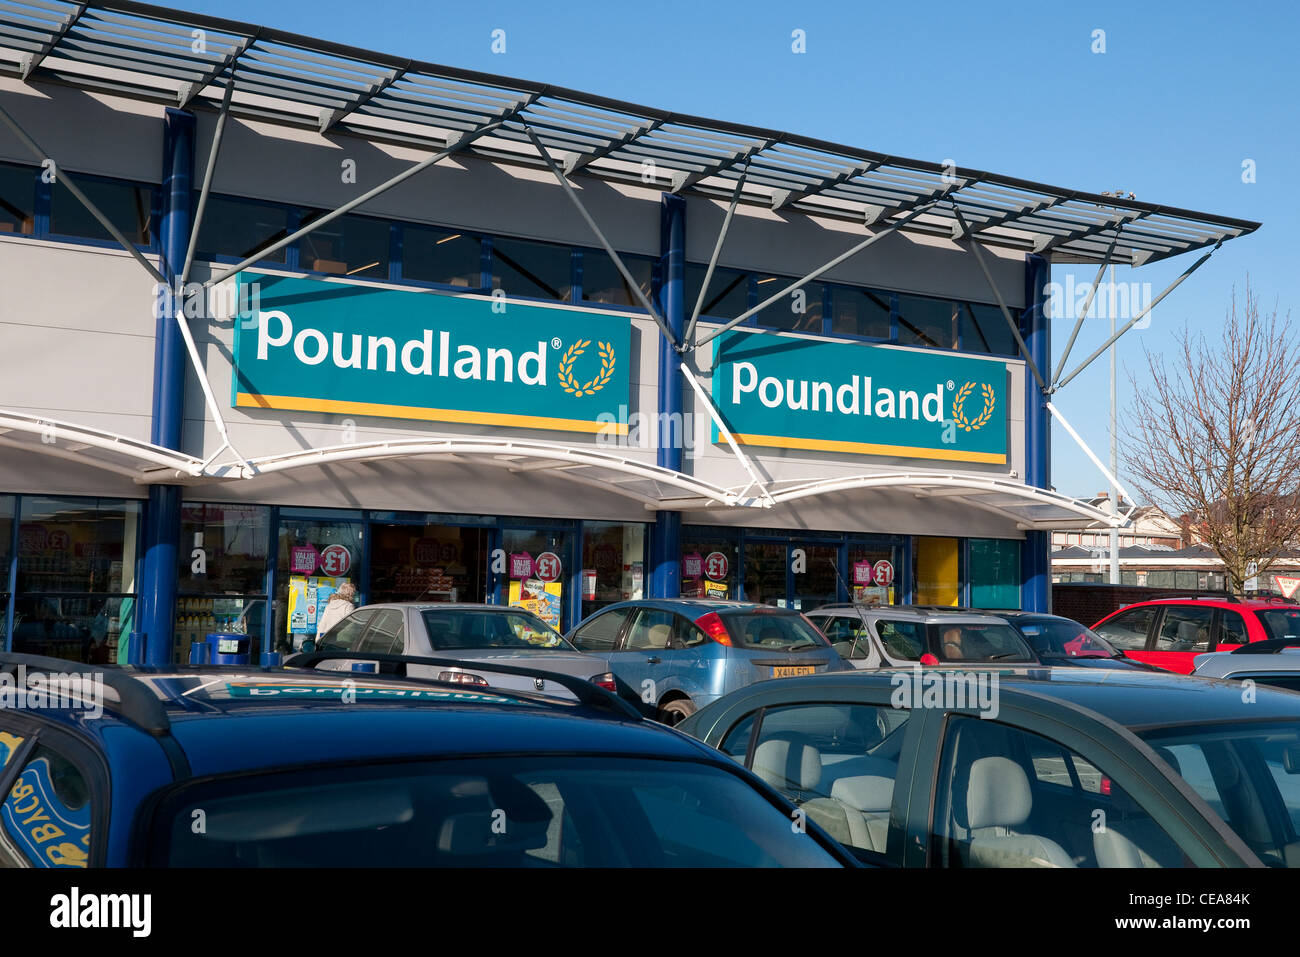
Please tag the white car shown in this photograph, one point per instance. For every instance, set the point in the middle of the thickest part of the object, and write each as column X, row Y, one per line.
column 1274, row 662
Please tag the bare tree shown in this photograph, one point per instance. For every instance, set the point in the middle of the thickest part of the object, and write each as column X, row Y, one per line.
column 1214, row 436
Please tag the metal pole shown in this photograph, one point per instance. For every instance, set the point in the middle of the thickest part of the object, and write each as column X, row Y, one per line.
column 1083, row 313
column 1114, row 441
column 713, row 260
column 207, row 182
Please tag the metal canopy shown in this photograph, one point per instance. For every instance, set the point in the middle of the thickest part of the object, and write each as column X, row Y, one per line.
column 178, row 58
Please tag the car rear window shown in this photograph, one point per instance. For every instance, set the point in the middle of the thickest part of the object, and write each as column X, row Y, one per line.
column 1061, row 638
column 472, row 630
column 544, row 811
column 773, row 631
column 1281, row 622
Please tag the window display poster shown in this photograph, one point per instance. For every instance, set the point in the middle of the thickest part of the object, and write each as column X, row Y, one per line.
column 307, row 598
column 543, row 599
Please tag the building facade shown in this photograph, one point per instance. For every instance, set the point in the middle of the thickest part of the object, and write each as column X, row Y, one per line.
column 454, row 391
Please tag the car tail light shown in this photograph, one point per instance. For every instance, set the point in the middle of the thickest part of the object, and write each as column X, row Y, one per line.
column 605, row 681
column 462, row 678
column 1105, row 785
column 711, row 624
column 929, row 659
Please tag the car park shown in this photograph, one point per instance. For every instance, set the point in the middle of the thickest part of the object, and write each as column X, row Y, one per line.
column 676, row 655
column 1274, row 662
column 1170, row 632
column 895, row 635
column 1070, row 767
column 300, row 767
column 1063, row 641
column 472, row 634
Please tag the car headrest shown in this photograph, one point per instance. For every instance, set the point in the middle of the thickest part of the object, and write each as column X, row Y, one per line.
column 998, row 794
column 866, row 792
column 789, row 762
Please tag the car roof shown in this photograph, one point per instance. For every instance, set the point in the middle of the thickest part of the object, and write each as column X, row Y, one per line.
column 700, row 604
column 1252, row 604
column 1135, row 699
column 444, row 606
column 915, row 613
column 228, row 719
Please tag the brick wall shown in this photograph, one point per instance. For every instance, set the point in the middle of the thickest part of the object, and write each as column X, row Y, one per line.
column 1089, row 602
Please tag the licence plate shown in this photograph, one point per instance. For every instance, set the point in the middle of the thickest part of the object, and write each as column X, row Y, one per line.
column 786, row 671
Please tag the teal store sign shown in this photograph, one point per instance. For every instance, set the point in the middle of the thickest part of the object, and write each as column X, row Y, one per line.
column 318, row 346
column 791, row 393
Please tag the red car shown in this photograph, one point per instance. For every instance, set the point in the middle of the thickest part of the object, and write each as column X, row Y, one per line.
column 1170, row 632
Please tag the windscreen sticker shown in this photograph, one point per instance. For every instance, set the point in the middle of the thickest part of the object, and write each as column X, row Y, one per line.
column 40, row 826
column 355, row 692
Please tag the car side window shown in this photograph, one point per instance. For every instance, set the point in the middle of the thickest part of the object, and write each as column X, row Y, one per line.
column 45, row 820
column 837, row 762
column 902, row 639
column 688, row 635
column 601, row 632
column 1232, row 628
column 736, row 742
column 386, row 634
column 1128, row 630
column 1012, row 798
column 345, row 635
column 1185, row 628
column 9, row 745
column 651, row 631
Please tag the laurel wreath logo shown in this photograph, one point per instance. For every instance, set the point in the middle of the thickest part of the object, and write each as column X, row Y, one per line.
column 571, row 384
column 959, row 403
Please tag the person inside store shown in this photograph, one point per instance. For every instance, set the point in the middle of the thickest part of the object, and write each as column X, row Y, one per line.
column 337, row 608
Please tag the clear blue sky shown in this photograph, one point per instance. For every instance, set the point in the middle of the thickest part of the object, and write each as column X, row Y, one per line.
column 1184, row 93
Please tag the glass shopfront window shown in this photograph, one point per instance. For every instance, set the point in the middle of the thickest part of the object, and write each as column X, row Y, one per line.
column 76, row 577
column 538, row 566
column 708, row 566
column 798, row 311
column 237, row 228
column 927, row 322
column 936, row 572
column 428, row 563
column 985, row 329
column 860, row 312
column 613, row 563
column 728, row 294
column 994, row 573
column 222, row 572
column 874, row 583
column 315, row 554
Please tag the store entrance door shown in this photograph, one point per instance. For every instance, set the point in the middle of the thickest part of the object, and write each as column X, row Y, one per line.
column 798, row 575
column 428, row 563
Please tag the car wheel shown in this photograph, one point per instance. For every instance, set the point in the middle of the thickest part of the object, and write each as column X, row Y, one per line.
column 674, row 712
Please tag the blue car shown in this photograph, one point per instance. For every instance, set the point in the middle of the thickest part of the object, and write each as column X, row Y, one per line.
column 675, row 655
column 296, row 767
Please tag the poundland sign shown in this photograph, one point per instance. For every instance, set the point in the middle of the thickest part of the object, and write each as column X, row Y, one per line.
column 792, row 393
column 318, row 346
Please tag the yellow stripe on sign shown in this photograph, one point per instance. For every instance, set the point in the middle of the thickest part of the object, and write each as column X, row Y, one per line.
column 298, row 404
column 869, row 448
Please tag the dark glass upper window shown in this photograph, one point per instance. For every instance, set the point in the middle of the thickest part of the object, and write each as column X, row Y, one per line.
column 17, row 199
column 532, row 270
column 128, row 206
column 860, row 312
column 728, row 294
column 985, row 329
column 238, row 228
column 602, row 282
column 798, row 311
column 443, row 256
column 348, row 246
column 927, row 322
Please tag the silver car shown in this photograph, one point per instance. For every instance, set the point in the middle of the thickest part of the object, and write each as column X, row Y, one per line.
column 903, row 635
column 1274, row 662
column 466, row 633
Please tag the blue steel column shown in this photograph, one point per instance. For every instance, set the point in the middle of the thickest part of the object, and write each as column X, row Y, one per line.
column 1035, row 563
column 162, row 523
column 666, row 537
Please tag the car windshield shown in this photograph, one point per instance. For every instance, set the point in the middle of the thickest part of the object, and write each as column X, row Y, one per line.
column 1062, row 638
column 546, row 811
column 1281, row 622
column 773, row 631
column 977, row 641
column 1248, row 773
column 471, row 629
